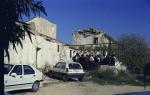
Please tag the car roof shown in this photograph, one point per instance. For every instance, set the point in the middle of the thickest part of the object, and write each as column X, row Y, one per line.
column 74, row 63
column 17, row 64
column 69, row 62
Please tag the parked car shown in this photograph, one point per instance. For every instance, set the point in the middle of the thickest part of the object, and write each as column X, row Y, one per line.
column 18, row 77
column 67, row 70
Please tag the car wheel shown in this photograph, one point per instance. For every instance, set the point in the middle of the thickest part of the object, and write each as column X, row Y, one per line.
column 64, row 77
column 80, row 79
column 35, row 86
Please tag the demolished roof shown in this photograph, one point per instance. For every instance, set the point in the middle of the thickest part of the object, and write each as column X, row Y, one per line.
column 89, row 32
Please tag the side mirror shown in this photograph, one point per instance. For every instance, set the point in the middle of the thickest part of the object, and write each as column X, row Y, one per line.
column 13, row 75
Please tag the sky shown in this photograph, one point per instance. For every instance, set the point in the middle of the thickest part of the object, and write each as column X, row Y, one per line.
column 115, row 17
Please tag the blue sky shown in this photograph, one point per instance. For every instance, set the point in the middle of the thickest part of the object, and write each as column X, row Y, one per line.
column 115, row 17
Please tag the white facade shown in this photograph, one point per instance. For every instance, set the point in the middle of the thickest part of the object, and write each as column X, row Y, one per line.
column 43, row 26
column 42, row 51
column 47, row 54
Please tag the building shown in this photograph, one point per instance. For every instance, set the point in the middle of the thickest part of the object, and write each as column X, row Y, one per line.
column 90, row 36
column 44, row 50
column 93, row 39
column 43, row 26
column 96, row 38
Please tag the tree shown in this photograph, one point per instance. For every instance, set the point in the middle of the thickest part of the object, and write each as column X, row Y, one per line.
column 146, row 72
column 13, row 27
column 133, row 52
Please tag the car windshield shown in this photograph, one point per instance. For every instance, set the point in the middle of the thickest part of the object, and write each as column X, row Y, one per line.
column 74, row 66
column 7, row 68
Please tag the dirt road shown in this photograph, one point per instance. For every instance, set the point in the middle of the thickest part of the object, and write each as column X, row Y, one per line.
column 84, row 88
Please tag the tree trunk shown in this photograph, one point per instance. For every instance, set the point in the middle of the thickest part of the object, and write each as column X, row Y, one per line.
column 1, row 69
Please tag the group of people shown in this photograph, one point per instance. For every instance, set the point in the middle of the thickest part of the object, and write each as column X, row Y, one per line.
column 93, row 61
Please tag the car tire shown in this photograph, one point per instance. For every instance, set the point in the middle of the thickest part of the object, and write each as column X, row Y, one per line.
column 35, row 86
column 80, row 79
column 65, row 78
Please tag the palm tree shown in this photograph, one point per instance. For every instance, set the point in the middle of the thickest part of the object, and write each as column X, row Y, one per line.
column 13, row 27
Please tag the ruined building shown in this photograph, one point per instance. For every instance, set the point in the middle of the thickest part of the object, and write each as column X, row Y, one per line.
column 91, row 36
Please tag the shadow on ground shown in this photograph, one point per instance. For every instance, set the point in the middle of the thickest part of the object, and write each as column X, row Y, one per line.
column 19, row 92
column 135, row 93
column 60, row 79
column 69, row 79
column 23, row 92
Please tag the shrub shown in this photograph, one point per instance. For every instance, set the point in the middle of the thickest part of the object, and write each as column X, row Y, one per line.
column 133, row 52
column 110, row 77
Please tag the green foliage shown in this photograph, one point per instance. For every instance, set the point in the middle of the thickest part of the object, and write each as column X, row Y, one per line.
column 82, row 48
column 91, row 48
column 110, row 77
column 85, row 48
column 106, row 74
column 13, row 26
column 133, row 52
column 100, row 48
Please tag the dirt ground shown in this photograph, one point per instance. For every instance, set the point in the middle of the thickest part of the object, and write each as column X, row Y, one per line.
column 84, row 88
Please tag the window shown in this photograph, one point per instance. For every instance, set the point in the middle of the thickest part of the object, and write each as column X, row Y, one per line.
column 74, row 66
column 28, row 70
column 60, row 65
column 58, row 48
column 95, row 40
column 17, row 69
column 7, row 68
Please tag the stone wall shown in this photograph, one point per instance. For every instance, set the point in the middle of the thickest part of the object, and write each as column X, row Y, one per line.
column 80, row 39
column 43, row 26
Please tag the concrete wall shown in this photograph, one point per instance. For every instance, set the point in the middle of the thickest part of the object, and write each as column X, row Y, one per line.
column 79, row 39
column 47, row 55
column 43, row 26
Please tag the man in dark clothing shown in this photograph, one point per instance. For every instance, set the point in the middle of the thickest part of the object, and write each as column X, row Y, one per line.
column 76, row 58
column 92, row 62
column 87, row 62
column 96, row 65
column 82, row 61
column 112, row 60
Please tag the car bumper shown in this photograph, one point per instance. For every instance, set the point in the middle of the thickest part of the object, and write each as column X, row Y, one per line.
column 75, row 75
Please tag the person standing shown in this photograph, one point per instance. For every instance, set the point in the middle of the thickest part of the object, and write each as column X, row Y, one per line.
column 92, row 62
column 87, row 62
column 76, row 58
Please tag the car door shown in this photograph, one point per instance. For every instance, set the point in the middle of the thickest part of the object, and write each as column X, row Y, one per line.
column 14, row 82
column 29, row 76
column 56, row 69
column 62, row 69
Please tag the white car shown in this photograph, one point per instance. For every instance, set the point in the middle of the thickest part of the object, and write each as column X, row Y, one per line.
column 18, row 77
column 67, row 70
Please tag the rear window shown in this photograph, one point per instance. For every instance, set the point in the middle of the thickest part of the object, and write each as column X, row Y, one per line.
column 28, row 70
column 7, row 68
column 74, row 66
